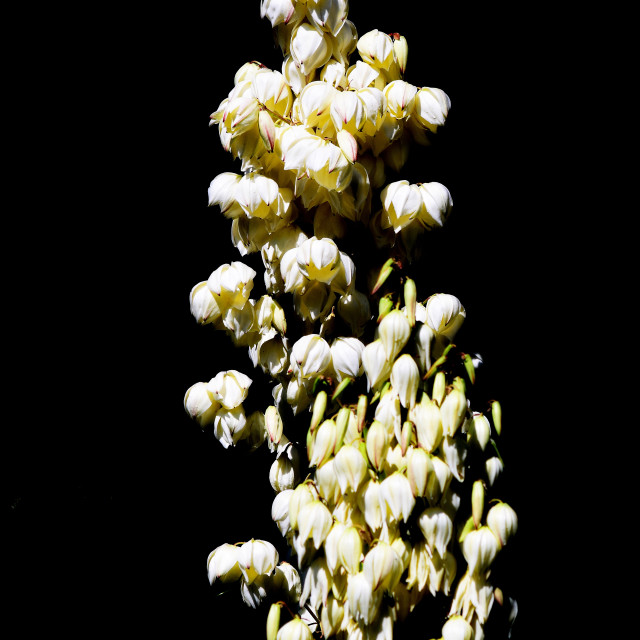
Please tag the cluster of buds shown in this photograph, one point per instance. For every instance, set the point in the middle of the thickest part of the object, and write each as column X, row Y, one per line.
column 376, row 516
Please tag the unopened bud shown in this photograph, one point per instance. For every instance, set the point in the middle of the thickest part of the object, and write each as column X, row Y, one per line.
column 401, row 50
column 439, row 387
column 348, row 145
column 267, row 129
column 342, row 422
column 385, row 272
column 503, row 522
column 496, row 414
column 410, row 298
column 319, row 406
column 406, row 436
column 273, row 621
column 323, row 443
column 273, row 424
column 385, row 305
column 477, row 502
column 341, row 387
column 468, row 365
column 377, row 444
column 361, row 415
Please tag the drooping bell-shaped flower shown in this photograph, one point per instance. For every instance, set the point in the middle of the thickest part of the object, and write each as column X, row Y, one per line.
column 479, row 548
column 376, row 363
column 350, row 549
column 503, row 522
column 230, row 388
column 231, row 285
column 314, row 521
column 431, row 107
column 346, row 357
column 437, row 204
column 257, row 558
column 437, row 527
column 295, row 629
column 394, row 331
column 310, row 356
column 310, row 47
column 364, row 602
column 222, row 564
column 445, row 314
column 350, row 468
column 376, row 49
column 457, row 628
column 230, row 426
column 397, row 495
column 405, row 379
column 203, row 305
column 200, row 404
column 383, row 567
column 272, row 91
column 319, row 259
column 280, row 510
column 401, row 202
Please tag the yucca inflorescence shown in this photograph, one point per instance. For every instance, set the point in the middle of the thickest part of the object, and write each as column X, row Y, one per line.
column 382, row 469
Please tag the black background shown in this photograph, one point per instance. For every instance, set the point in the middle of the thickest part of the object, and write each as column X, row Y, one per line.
column 115, row 497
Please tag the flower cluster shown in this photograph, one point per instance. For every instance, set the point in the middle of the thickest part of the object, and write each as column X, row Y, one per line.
column 378, row 501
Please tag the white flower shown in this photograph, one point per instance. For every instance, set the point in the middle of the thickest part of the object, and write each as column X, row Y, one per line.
column 203, row 305
column 277, row 11
column 257, row 558
column 445, row 314
column 318, row 259
column 271, row 89
column 397, row 495
column 479, row 548
column 437, row 527
column 346, row 357
column 222, row 564
column 329, row 14
column 376, row 48
column 503, row 522
column 314, row 103
column 295, row 629
column 231, row 285
column 437, row 204
column 363, row 601
column 376, row 363
column 394, row 331
column 310, row 356
column 405, row 379
column 457, row 628
column 350, row 468
column 230, row 426
column 230, row 388
column 431, row 107
column 383, row 567
column 222, row 191
column 280, row 510
column 401, row 203
column 310, row 48
column 400, row 97
column 200, row 404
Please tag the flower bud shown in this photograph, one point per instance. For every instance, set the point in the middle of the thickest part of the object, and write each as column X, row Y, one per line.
column 350, row 549
column 439, row 388
column 385, row 271
column 401, row 50
column 257, row 558
column 319, row 407
column 477, row 502
column 377, row 444
column 405, row 379
column 344, row 417
column 496, row 414
column 323, row 443
column 314, row 521
column 385, row 305
column 200, row 404
column 453, row 411
column 295, row 629
column 273, row 621
column 419, row 468
column 503, row 522
column 427, row 419
column 457, row 628
column 273, row 425
column 222, row 564
column 348, row 145
column 437, row 529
